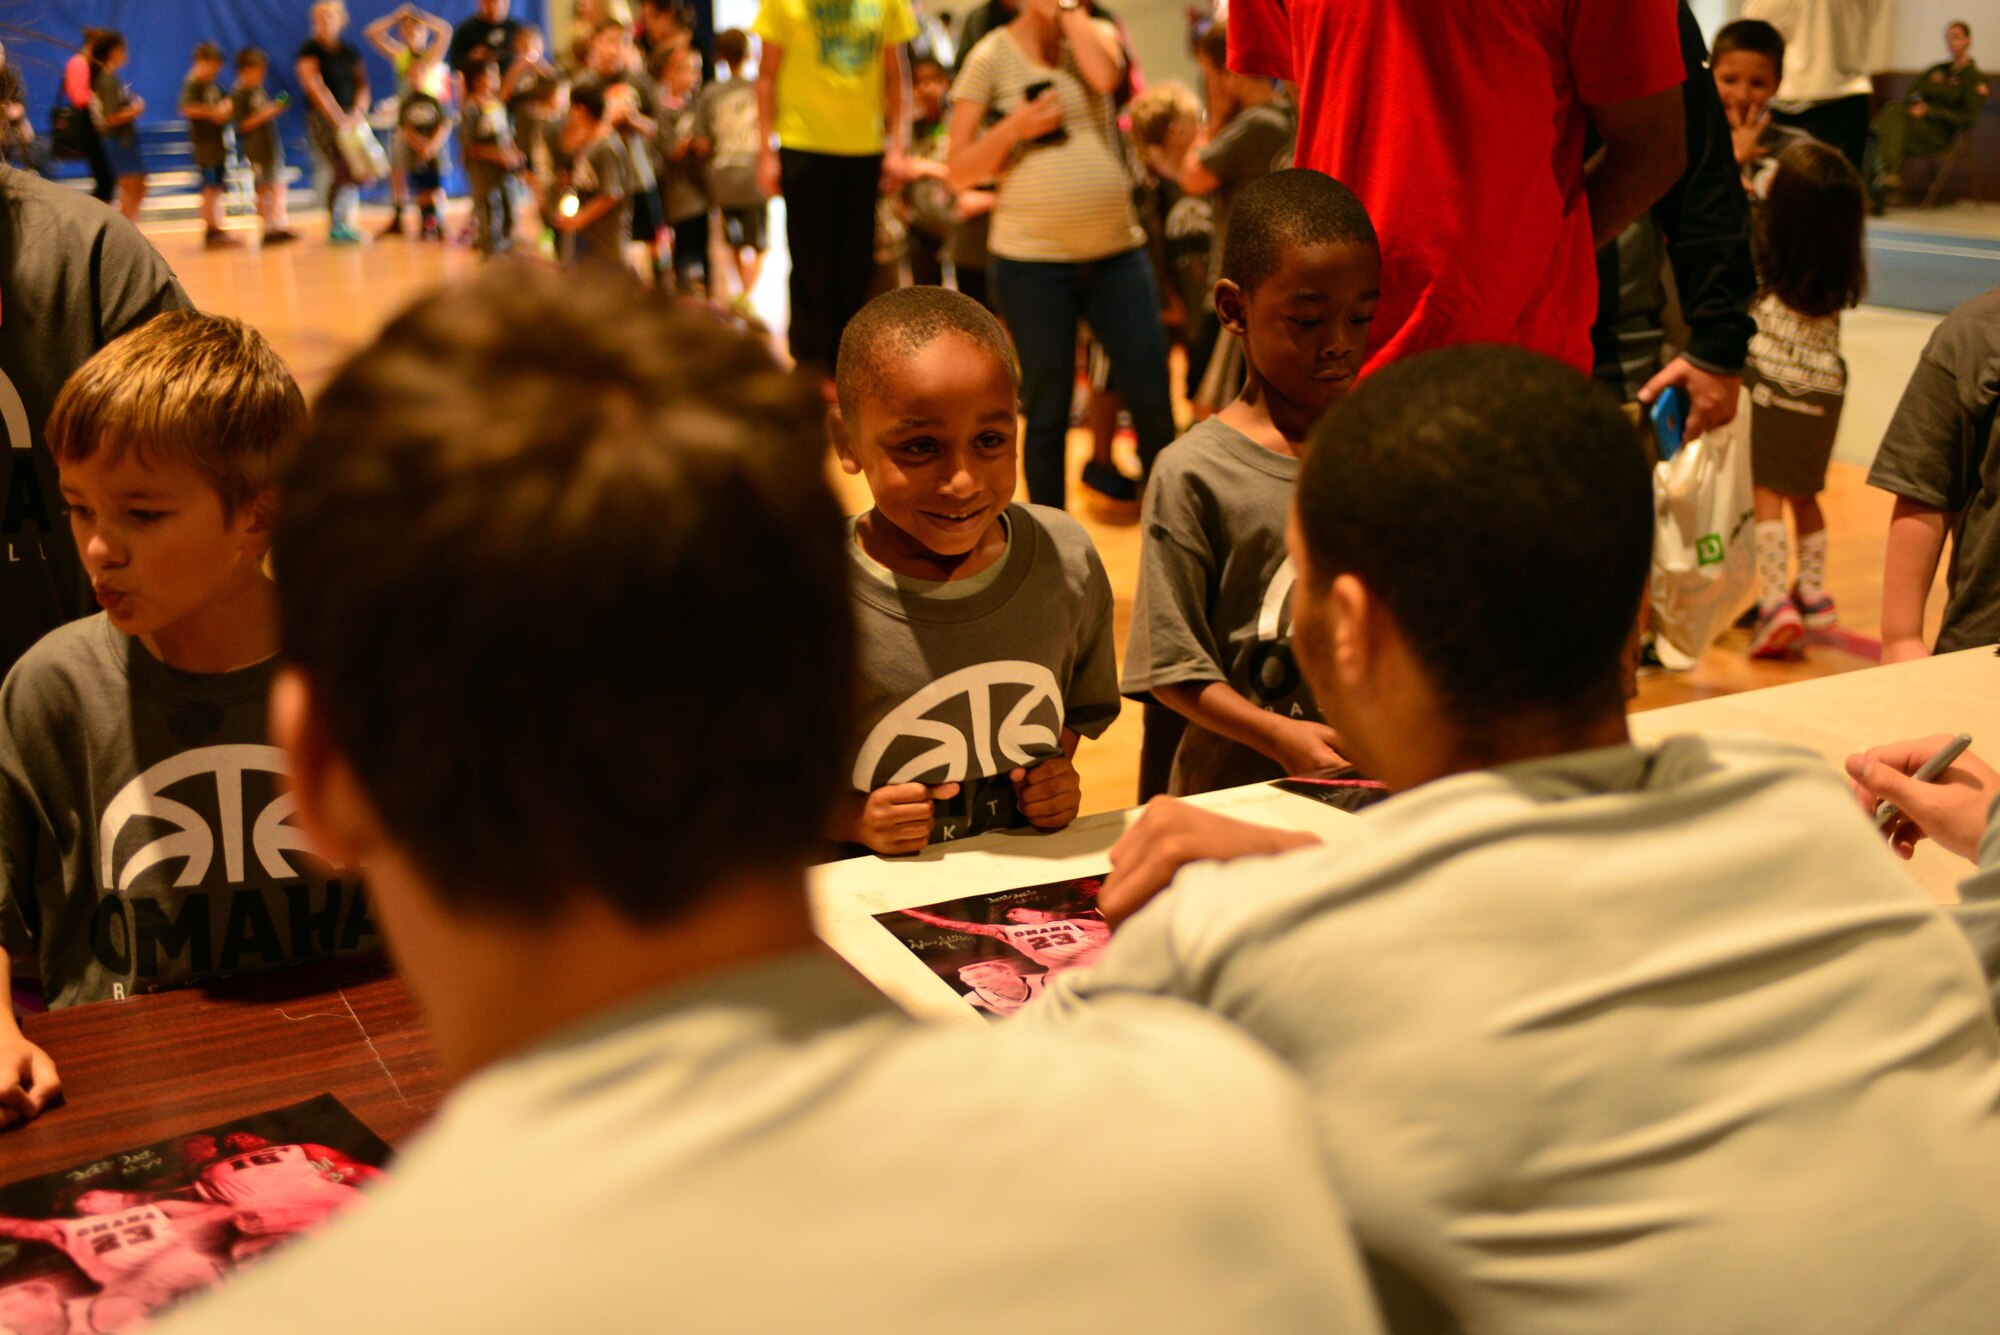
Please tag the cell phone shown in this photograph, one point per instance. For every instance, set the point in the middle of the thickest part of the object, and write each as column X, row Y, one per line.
column 1670, row 412
column 283, row 99
column 1029, row 94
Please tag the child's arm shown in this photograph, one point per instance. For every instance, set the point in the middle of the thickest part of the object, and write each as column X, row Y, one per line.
column 377, row 34
column 588, row 214
column 1300, row 746
column 435, row 144
column 262, row 116
column 219, row 114
column 28, row 1079
column 1916, row 541
column 893, row 819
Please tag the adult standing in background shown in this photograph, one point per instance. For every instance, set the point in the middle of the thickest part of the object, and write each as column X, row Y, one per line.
column 335, row 84
column 1032, row 109
column 78, row 134
column 73, row 276
column 1460, row 124
column 1701, row 228
column 833, row 93
column 1826, row 90
column 487, row 35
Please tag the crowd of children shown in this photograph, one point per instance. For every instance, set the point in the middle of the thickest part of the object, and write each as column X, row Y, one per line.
column 1570, row 1034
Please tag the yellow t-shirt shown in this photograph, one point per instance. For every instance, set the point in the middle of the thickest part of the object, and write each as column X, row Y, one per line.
column 830, row 82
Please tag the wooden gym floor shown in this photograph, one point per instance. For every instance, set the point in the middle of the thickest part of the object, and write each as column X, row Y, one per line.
column 318, row 304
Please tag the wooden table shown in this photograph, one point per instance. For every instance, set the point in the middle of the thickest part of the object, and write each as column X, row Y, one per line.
column 141, row 1070
column 846, row 895
column 1839, row 715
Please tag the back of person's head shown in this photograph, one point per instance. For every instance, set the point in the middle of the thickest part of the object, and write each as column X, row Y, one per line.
column 252, row 58
column 1294, row 207
column 207, row 51
column 732, row 47
column 1498, row 505
column 525, row 36
column 902, row 322
column 1754, row 36
column 565, row 583
column 205, row 391
column 1211, row 44
column 589, row 99
column 1964, row 28
column 1156, row 111
column 1811, row 230
column 479, row 72
column 107, row 43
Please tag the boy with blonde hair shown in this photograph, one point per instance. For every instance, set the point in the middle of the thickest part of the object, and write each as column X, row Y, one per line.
column 145, row 831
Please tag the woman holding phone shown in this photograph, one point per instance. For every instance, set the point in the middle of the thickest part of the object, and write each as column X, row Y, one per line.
column 1033, row 109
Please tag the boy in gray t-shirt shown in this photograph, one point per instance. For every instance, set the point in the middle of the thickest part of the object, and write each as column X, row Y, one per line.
column 593, row 215
column 1211, row 618
column 983, row 627
column 208, row 110
column 146, row 837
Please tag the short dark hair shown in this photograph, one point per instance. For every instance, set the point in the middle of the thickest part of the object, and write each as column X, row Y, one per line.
column 1811, row 231
column 479, row 69
column 104, row 44
column 1752, row 35
column 1500, row 507
column 251, row 57
column 1212, row 42
column 732, row 46
column 1294, row 207
column 1962, row 26
column 902, row 322
column 566, row 581
column 208, row 51
column 589, row 97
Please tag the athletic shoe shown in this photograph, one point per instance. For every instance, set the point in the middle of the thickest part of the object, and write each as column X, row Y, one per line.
column 1779, row 632
column 344, row 236
column 217, row 239
column 1818, row 613
column 395, row 227
column 1109, row 483
column 1748, row 621
column 280, row 237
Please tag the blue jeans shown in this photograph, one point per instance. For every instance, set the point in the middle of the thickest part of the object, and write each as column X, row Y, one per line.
column 1042, row 302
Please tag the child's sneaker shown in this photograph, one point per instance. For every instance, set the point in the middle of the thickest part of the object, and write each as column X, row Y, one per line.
column 1110, row 496
column 1818, row 613
column 431, row 231
column 280, row 237
column 217, row 239
column 1779, row 631
column 344, row 236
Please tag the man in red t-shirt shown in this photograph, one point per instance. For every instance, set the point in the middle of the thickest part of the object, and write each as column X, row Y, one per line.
column 1461, row 124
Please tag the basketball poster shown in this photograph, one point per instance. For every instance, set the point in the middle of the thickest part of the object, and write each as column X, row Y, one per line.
column 998, row 951
column 107, row 1245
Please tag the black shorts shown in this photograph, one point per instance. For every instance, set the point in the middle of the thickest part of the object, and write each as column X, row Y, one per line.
column 425, row 176
column 647, row 215
column 748, row 229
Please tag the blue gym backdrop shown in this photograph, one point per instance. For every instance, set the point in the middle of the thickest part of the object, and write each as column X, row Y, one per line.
column 42, row 34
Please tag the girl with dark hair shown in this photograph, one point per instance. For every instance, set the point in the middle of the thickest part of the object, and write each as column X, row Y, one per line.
column 1811, row 268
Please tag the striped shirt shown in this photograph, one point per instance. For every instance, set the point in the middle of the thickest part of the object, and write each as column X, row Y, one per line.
column 1069, row 202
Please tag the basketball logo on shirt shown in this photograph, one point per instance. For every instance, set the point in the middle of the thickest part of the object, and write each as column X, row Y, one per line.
column 1274, row 672
column 240, row 834
column 978, row 721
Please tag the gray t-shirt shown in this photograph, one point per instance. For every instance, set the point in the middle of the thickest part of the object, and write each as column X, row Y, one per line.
column 965, row 690
column 73, row 276
column 261, row 146
column 603, row 168
column 684, row 184
column 725, row 114
column 1943, row 450
column 1254, row 143
column 204, row 137
column 1641, row 1039
column 775, row 1149
column 145, row 828
column 485, row 125
column 1215, row 594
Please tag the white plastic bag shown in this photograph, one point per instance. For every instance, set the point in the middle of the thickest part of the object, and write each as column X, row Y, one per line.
column 1704, row 542
column 366, row 161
